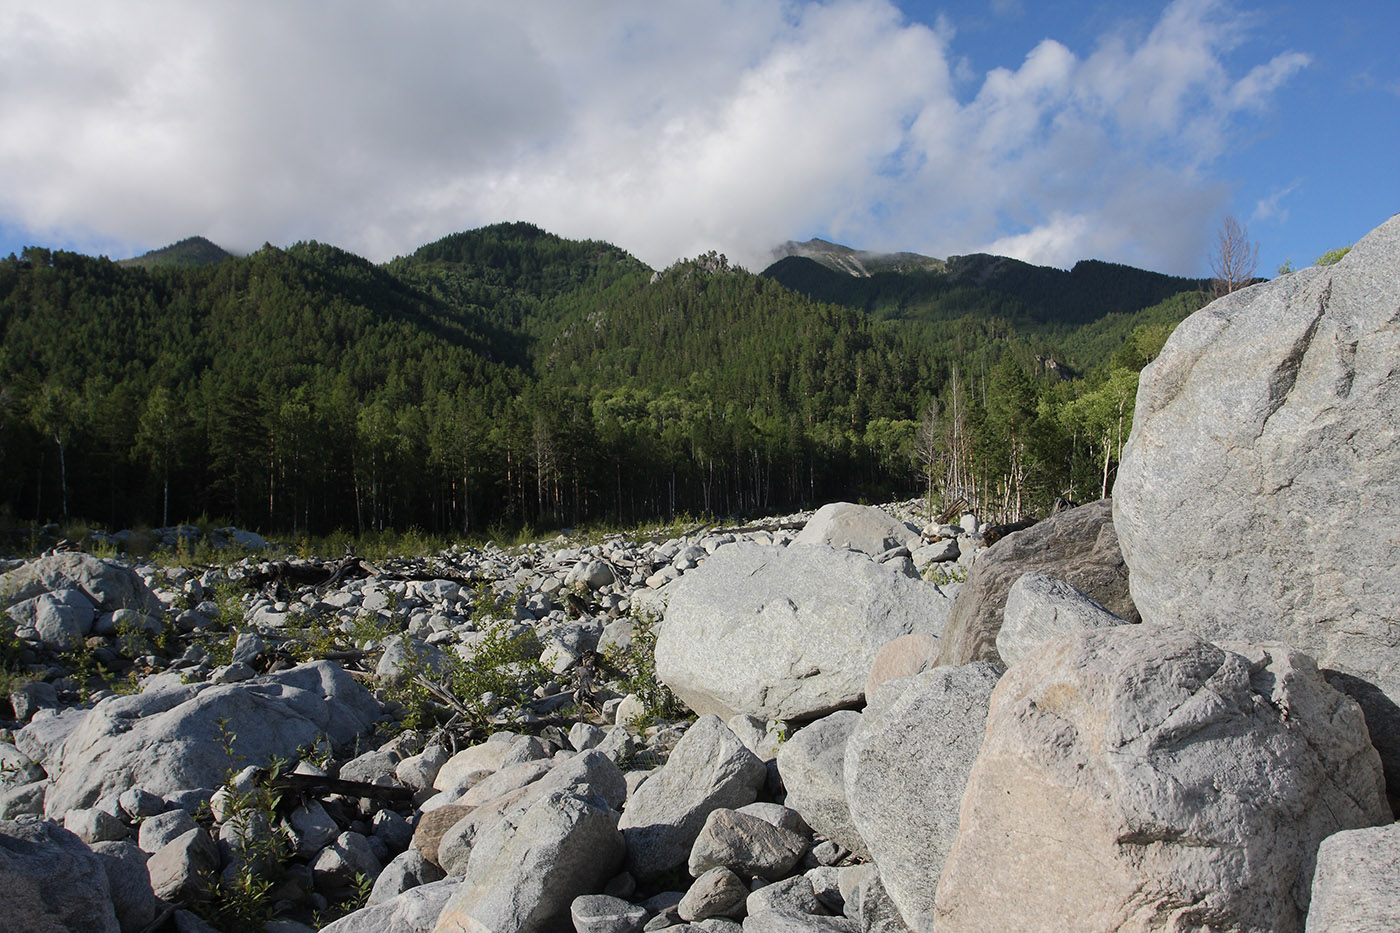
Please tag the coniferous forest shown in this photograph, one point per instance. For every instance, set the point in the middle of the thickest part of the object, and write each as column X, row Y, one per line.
column 506, row 377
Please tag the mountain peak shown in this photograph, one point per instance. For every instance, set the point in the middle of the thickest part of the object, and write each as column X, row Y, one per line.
column 189, row 252
column 857, row 262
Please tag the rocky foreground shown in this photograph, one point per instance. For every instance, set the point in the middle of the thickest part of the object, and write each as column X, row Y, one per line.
column 1118, row 721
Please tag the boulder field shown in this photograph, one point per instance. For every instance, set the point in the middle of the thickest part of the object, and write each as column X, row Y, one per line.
column 1167, row 711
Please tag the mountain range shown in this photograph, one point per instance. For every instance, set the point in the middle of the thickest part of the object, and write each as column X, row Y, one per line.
column 507, row 375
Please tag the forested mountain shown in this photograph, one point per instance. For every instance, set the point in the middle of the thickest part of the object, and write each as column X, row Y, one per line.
column 192, row 251
column 505, row 376
column 1026, row 295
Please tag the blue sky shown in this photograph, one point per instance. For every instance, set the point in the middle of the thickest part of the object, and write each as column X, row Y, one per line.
column 1047, row 131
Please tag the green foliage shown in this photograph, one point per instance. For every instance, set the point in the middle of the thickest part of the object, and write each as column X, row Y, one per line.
column 636, row 667
column 500, row 672
column 1333, row 255
column 11, row 673
column 261, row 846
column 945, row 573
column 504, row 665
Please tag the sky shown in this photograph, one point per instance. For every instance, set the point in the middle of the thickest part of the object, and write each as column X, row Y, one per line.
column 1048, row 131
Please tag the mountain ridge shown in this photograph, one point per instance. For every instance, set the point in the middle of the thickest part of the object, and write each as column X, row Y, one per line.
column 857, row 262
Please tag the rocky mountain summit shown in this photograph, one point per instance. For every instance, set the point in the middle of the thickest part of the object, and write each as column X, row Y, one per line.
column 1157, row 712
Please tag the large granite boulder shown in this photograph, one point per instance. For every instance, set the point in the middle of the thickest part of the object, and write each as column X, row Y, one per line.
column 129, row 880
column 907, row 763
column 109, row 584
column 171, row 740
column 864, row 528
column 1078, row 546
column 50, row 882
column 708, row 769
column 1039, row 609
column 1142, row 778
column 59, row 620
column 786, row 633
column 414, row 911
column 1260, row 484
column 526, row 870
column 812, row 766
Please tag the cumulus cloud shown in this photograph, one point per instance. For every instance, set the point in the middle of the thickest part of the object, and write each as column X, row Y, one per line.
column 668, row 129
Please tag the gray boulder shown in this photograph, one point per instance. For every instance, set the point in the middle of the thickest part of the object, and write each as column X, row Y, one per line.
column 1040, row 608
column 878, row 912
column 59, row 620
column 170, row 740
column 404, row 657
column 43, row 736
column 479, row 759
column 339, row 865
column 526, row 870
column 94, row 825
column 17, row 768
column 309, row 827
column 50, row 882
column 863, row 528
column 23, row 800
column 1078, row 546
column 132, row 896
column 181, row 869
column 589, row 774
column 812, row 766
column 109, row 584
column 797, row 629
column 708, row 769
column 414, row 911
column 1353, row 889
column 407, row 870
column 716, row 892
column 157, row 830
column 1141, row 778
column 29, row 697
column 748, row 845
column 1259, row 486
column 420, row 770
column 906, row 766
column 790, row 906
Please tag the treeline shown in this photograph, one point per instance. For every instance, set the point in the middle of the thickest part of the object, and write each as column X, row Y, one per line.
column 505, row 377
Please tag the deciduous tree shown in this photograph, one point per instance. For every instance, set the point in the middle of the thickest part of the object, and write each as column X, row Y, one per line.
column 1234, row 259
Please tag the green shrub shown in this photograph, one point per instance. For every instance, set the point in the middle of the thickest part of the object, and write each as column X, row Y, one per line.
column 636, row 669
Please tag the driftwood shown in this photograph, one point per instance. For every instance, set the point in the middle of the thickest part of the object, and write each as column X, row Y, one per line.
column 763, row 526
column 952, row 511
column 322, row 575
column 996, row 532
column 315, row 783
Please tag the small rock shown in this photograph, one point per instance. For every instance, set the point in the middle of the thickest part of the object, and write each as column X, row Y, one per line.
column 718, row 892
column 158, row 830
column 599, row 913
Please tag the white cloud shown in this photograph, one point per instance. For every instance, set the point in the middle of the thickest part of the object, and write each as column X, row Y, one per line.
column 1255, row 89
column 668, row 129
column 1271, row 207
